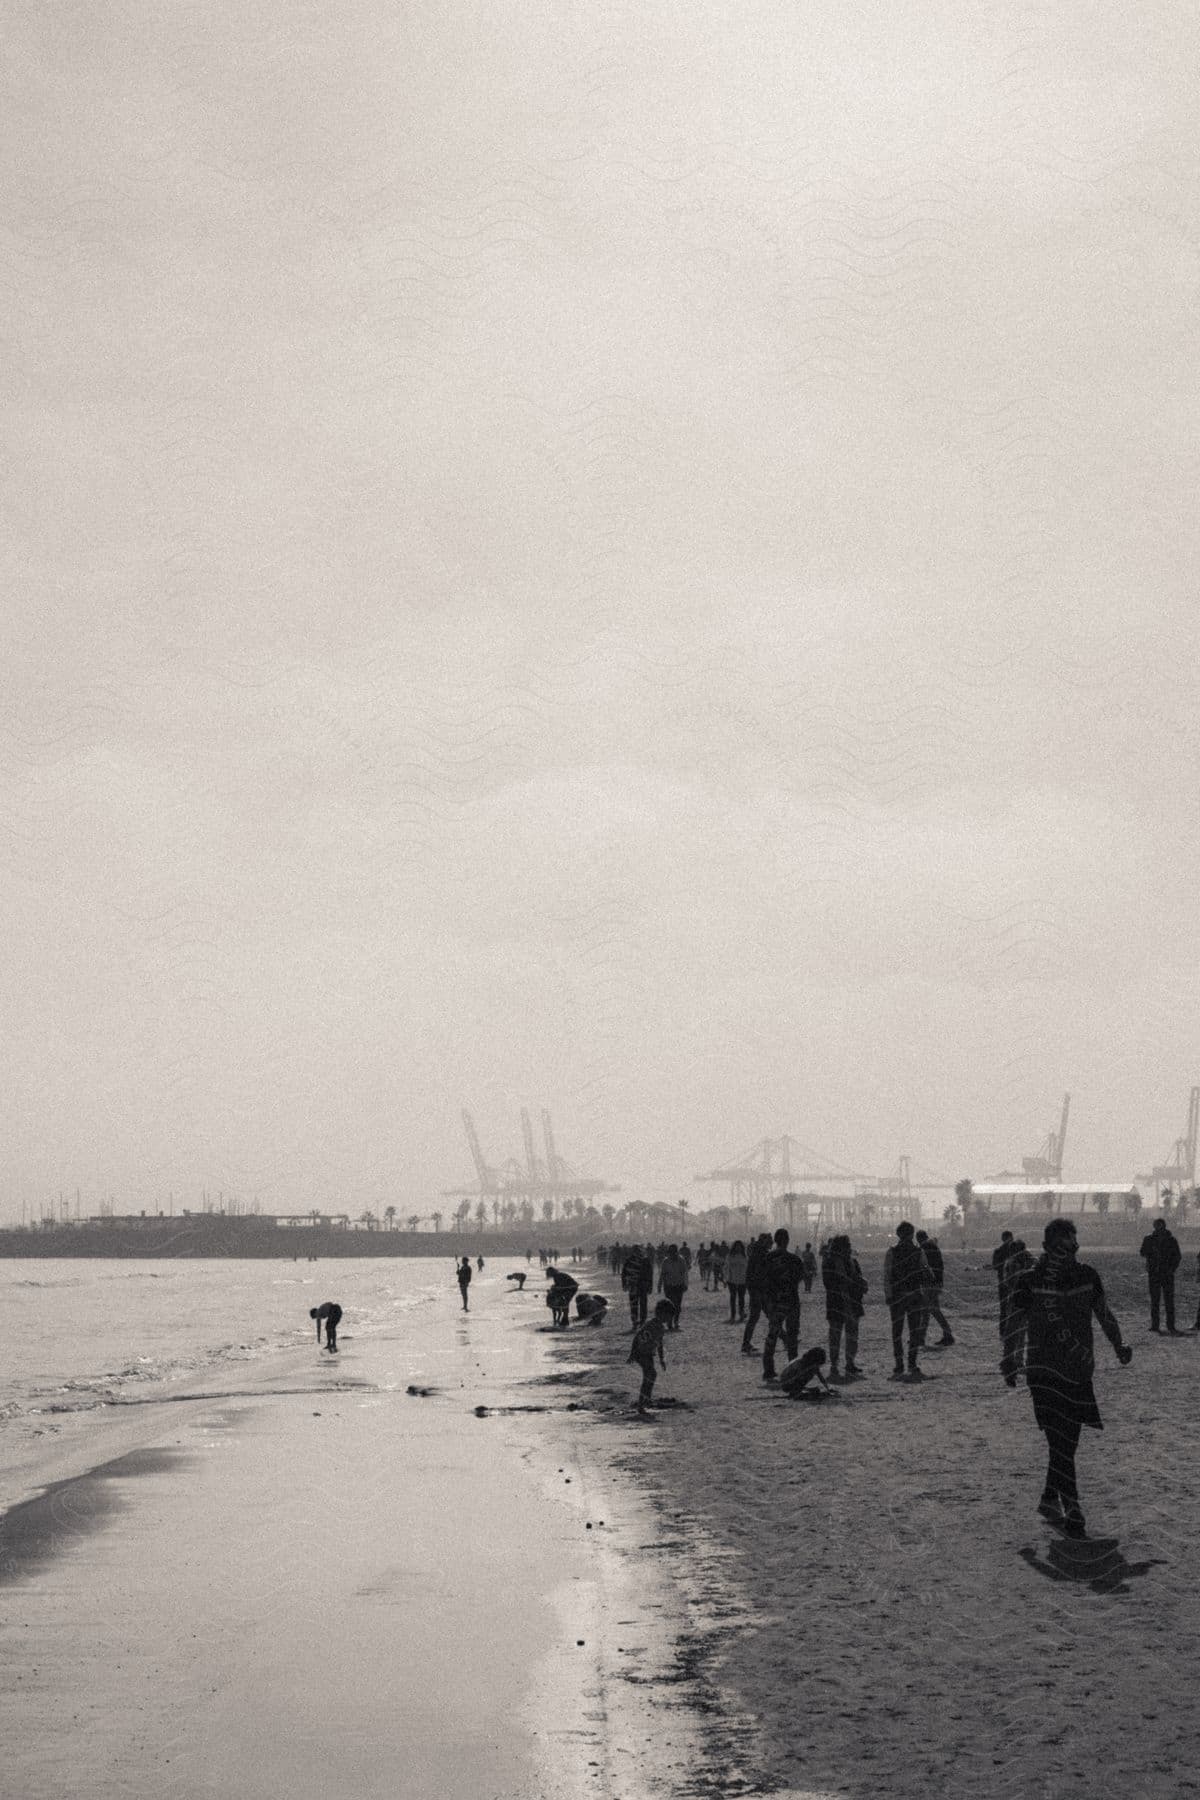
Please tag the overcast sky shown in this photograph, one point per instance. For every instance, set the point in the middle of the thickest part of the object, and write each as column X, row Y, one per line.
column 638, row 560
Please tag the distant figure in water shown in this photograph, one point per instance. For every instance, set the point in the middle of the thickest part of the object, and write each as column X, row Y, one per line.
column 518, row 1275
column 329, row 1314
column 591, row 1308
column 1059, row 1297
column 795, row 1376
column 463, row 1273
column 648, row 1343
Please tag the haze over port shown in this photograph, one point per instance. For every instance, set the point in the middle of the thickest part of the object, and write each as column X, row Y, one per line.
column 637, row 564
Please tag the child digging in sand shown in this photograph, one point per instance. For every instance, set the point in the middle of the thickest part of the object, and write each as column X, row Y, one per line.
column 797, row 1375
column 648, row 1342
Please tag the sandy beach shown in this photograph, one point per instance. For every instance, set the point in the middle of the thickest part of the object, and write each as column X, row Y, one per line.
column 310, row 1581
column 313, row 1582
column 871, row 1605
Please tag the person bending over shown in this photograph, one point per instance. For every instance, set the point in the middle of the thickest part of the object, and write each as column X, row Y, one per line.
column 329, row 1314
column 647, row 1344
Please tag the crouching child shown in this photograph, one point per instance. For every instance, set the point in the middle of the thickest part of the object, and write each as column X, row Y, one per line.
column 648, row 1343
column 798, row 1378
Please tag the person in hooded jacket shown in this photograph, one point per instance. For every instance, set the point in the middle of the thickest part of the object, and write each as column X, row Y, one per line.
column 1059, row 1297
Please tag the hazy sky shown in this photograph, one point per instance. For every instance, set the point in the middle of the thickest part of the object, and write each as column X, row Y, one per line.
column 636, row 559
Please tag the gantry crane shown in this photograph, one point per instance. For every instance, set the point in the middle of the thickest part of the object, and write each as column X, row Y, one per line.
column 1180, row 1171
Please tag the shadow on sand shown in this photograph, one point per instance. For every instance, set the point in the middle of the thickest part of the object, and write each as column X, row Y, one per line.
column 1095, row 1562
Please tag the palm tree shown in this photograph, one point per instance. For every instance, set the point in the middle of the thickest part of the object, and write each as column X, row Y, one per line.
column 389, row 1217
column 435, row 1219
column 368, row 1219
column 414, row 1219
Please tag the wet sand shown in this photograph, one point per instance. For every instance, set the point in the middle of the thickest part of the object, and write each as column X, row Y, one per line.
column 330, row 1587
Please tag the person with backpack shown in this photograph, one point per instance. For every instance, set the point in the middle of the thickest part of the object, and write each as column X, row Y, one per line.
column 782, row 1274
column 756, row 1258
column 844, row 1289
column 1160, row 1248
column 1058, row 1298
column 905, row 1278
column 931, row 1304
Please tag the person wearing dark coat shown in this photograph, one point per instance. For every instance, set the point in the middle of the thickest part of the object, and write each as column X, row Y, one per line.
column 1160, row 1248
column 844, row 1290
column 756, row 1260
column 1058, row 1298
column 782, row 1274
column 905, row 1278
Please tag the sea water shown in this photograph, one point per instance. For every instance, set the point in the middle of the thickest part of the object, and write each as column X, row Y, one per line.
column 89, row 1340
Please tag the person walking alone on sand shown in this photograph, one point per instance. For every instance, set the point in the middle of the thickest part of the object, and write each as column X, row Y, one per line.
column 905, row 1279
column 782, row 1274
column 931, row 1307
column 844, row 1290
column 1059, row 1297
column 808, row 1258
column 463, row 1274
column 1160, row 1248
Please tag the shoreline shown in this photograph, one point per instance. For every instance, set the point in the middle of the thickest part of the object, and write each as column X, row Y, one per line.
column 324, row 1582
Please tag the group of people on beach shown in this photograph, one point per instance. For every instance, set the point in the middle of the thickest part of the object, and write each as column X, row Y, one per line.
column 1047, row 1305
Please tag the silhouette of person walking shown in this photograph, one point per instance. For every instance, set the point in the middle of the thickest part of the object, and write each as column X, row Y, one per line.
column 1058, row 1298
column 463, row 1273
column 329, row 1314
column 1160, row 1248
